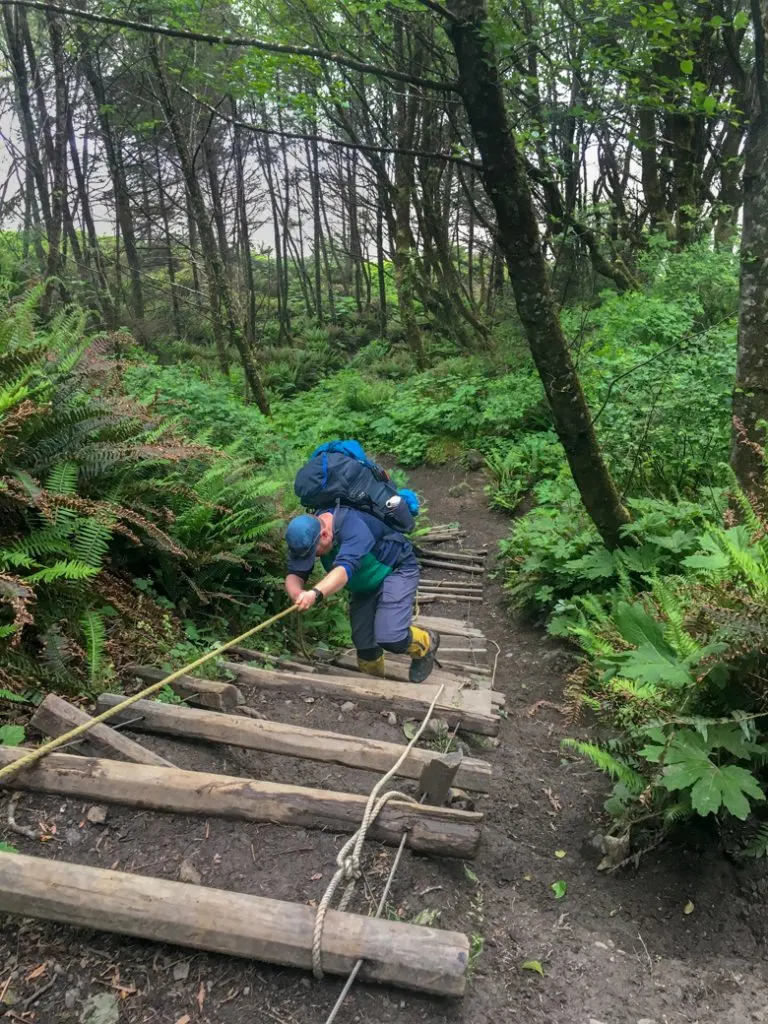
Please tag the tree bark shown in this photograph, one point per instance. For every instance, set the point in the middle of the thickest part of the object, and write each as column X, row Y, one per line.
column 750, row 393
column 518, row 237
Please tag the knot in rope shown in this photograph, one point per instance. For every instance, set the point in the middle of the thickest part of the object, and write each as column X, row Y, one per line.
column 349, row 857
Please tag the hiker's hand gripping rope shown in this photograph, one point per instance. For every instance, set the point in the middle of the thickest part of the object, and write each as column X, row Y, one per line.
column 28, row 759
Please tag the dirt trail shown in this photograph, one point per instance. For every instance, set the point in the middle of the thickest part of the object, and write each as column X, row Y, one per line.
column 614, row 950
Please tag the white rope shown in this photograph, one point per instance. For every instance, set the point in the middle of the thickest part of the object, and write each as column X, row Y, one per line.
column 349, row 857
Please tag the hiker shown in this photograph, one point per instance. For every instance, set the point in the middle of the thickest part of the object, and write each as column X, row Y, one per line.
column 378, row 566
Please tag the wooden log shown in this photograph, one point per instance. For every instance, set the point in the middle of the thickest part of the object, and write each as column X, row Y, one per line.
column 290, row 740
column 56, row 716
column 450, row 585
column 432, row 596
column 397, row 671
column 455, row 556
column 233, row 923
column 448, row 627
column 205, row 693
column 467, row 709
column 433, row 563
column 436, row 830
column 271, row 659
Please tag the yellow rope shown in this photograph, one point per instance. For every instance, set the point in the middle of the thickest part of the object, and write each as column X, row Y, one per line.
column 35, row 755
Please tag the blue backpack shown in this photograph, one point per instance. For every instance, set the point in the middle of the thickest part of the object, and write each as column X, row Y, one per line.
column 340, row 473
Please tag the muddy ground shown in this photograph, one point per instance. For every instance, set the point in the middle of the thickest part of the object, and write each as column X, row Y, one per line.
column 616, row 949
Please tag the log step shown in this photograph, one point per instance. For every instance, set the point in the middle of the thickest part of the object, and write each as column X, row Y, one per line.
column 289, row 740
column 274, row 931
column 467, row 709
column 55, row 716
column 448, row 627
column 446, row 563
column 435, row 830
column 205, row 693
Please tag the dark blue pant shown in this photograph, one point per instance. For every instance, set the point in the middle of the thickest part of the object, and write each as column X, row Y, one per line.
column 382, row 619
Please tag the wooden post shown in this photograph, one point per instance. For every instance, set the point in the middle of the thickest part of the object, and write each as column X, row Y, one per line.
column 411, row 956
column 291, row 740
column 436, row 830
column 468, row 709
column 56, row 716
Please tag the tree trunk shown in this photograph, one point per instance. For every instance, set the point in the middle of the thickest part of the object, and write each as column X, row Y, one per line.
column 518, row 237
column 750, row 393
column 221, row 298
column 123, row 209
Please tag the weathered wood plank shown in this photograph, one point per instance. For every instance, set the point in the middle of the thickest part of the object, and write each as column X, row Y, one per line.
column 56, row 716
column 454, row 556
column 448, row 627
column 434, row 563
column 436, row 830
column 274, row 931
column 290, row 740
column 205, row 693
column 469, row 709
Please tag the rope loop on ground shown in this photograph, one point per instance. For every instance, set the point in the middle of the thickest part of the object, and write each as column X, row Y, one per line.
column 350, row 855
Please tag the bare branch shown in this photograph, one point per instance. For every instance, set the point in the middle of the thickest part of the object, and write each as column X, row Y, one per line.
column 245, row 42
column 325, row 140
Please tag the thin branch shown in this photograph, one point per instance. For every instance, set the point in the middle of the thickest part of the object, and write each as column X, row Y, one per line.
column 441, row 11
column 325, row 140
column 245, row 41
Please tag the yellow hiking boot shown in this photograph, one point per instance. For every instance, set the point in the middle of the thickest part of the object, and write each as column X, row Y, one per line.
column 423, row 652
column 372, row 668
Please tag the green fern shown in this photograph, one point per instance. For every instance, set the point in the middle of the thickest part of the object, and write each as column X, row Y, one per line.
column 70, row 570
column 94, row 629
column 758, row 847
column 606, row 762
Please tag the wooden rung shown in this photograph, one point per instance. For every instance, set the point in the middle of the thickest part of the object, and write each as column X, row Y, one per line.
column 435, row 830
column 431, row 597
column 467, row 709
column 454, row 556
column 234, row 923
column 56, row 716
column 450, row 585
column 205, row 693
column 289, row 740
column 453, row 566
column 448, row 627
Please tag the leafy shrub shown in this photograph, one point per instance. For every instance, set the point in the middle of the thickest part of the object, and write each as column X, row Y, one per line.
column 93, row 492
column 678, row 673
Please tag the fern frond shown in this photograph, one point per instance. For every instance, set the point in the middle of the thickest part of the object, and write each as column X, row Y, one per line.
column 606, row 762
column 93, row 627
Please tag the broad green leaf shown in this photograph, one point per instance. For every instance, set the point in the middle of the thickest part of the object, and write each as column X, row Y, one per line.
column 741, row 20
column 652, row 664
column 686, row 66
column 595, row 565
column 532, row 965
column 728, row 787
column 637, row 626
column 12, row 735
column 559, row 889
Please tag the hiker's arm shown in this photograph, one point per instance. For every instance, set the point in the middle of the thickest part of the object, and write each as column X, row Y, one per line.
column 335, row 580
column 294, row 585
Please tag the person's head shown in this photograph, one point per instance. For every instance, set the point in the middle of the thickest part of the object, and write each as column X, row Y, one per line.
column 307, row 537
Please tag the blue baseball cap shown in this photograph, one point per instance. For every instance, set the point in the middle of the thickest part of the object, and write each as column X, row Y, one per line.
column 302, row 536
